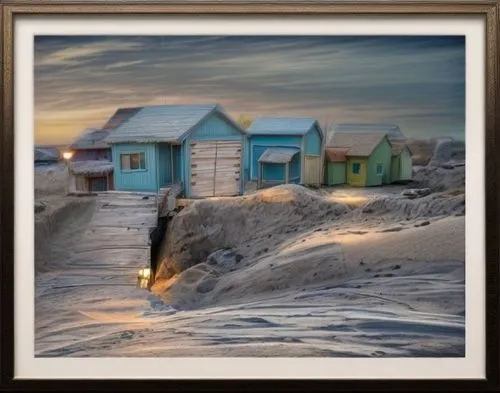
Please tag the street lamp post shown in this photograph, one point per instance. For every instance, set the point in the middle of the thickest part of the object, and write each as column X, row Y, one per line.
column 67, row 157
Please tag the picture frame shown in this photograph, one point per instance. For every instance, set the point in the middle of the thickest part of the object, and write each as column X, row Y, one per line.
column 488, row 11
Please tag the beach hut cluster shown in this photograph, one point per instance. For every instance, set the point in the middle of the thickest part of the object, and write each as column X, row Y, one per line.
column 200, row 147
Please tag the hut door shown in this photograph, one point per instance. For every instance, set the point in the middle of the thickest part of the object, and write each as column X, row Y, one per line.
column 98, row 184
column 215, row 168
column 312, row 170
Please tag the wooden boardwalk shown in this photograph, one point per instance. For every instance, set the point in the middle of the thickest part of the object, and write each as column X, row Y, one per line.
column 97, row 270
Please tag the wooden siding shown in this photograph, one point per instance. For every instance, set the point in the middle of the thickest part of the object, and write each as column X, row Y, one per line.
column 395, row 164
column 215, row 168
column 406, row 165
column 356, row 179
column 81, row 183
column 215, row 127
column 312, row 170
column 177, row 163
column 259, row 144
column 273, row 173
column 91, row 155
column 143, row 180
column 295, row 169
column 313, row 142
column 164, row 164
column 381, row 155
column 335, row 173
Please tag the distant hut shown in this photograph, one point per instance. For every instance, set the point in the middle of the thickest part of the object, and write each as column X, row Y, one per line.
column 336, row 166
column 401, row 166
column 276, row 138
column 90, row 146
column 91, row 176
column 368, row 157
column 46, row 155
column 197, row 146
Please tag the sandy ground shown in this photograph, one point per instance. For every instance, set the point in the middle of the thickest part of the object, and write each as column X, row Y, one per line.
column 304, row 273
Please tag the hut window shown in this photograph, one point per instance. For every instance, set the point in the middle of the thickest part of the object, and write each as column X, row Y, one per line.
column 380, row 169
column 132, row 162
column 356, row 167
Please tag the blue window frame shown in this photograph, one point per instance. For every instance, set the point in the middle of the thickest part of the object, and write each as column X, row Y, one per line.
column 380, row 169
column 356, row 167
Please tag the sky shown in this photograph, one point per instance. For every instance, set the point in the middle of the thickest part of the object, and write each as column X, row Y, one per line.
column 417, row 82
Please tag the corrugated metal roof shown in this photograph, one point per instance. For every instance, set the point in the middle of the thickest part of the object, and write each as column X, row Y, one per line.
column 163, row 123
column 392, row 130
column 277, row 155
column 281, row 125
column 358, row 144
column 91, row 138
column 334, row 154
column 120, row 117
column 91, row 167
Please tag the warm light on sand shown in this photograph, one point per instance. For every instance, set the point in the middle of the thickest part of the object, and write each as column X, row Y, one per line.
column 352, row 200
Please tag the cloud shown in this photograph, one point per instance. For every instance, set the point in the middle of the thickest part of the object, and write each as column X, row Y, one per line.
column 123, row 64
column 83, row 53
column 418, row 82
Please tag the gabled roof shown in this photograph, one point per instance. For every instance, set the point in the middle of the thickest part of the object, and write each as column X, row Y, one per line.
column 357, row 144
column 91, row 138
column 47, row 154
column 119, row 117
column 277, row 155
column 336, row 154
column 397, row 148
column 283, row 126
column 165, row 123
column 91, row 167
column 392, row 130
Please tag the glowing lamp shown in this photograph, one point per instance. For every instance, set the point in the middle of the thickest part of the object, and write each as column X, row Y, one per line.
column 67, row 155
column 144, row 273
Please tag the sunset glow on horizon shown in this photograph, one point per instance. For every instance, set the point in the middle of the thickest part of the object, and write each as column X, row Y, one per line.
column 416, row 82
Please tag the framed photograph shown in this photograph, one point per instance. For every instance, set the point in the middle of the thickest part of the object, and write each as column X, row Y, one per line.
column 225, row 195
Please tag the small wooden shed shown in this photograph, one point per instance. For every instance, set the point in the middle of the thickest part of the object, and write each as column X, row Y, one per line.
column 401, row 165
column 368, row 157
column 197, row 145
column 91, row 176
column 300, row 133
column 279, row 166
column 336, row 162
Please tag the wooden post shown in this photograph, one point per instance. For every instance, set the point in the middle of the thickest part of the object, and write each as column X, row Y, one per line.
column 287, row 172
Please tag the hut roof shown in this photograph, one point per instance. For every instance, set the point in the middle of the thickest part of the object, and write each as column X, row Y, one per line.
column 392, row 130
column 91, row 138
column 91, row 167
column 119, row 117
column 277, row 155
column 334, row 154
column 282, row 125
column 356, row 144
column 397, row 148
column 164, row 123
column 47, row 153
